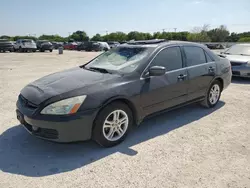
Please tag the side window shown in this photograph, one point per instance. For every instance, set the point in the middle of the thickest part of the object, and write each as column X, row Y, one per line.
column 194, row 55
column 170, row 58
column 208, row 57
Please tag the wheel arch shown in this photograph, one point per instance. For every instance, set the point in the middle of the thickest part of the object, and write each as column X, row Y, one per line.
column 221, row 81
column 128, row 102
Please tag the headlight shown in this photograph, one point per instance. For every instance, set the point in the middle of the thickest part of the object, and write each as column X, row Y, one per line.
column 66, row 106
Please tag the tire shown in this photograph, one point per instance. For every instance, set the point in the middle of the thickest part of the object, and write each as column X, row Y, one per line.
column 101, row 134
column 208, row 102
column 33, row 50
column 51, row 50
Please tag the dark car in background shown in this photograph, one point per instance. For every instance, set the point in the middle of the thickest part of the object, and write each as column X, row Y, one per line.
column 104, row 98
column 215, row 46
column 90, row 46
column 239, row 57
column 44, row 45
column 56, row 45
column 6, row 45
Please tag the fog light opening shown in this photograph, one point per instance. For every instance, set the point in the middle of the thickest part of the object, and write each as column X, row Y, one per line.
column 34, row 128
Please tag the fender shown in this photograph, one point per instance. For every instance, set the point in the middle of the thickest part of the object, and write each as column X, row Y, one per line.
column 137, row 111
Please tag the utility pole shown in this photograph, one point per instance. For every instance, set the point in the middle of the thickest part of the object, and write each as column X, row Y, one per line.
column 175, row 30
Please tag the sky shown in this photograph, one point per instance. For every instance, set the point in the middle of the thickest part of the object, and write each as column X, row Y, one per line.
column 36, row 17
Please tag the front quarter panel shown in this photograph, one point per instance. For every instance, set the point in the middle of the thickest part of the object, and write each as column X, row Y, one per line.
column 123, row 89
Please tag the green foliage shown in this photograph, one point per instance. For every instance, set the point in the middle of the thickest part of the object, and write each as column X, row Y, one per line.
column 54, row 38
column 97, row 37
column 218, row 34
column 234, row 37
column 244, row 39
column 198, row 37
column 15, row 38
column 117, row 36
column 198, row 34
column 79, row 36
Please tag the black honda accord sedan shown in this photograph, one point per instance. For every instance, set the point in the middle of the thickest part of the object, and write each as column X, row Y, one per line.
column 104, row 98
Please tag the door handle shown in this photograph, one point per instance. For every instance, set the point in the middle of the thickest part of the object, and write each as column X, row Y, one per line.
column 211, row 69
column 182, row 77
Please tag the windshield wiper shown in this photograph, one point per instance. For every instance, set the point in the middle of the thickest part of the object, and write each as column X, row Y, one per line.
column 102, row 70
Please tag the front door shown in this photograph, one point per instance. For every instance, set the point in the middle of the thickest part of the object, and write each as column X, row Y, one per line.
column 161, row 92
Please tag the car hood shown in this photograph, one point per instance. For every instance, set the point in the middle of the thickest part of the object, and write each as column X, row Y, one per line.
column 62, row 82
column 237, row 58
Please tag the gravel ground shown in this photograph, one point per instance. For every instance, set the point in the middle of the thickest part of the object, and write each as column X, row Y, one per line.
column 188, row 147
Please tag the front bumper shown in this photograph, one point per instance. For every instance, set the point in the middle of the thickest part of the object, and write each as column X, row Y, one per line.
column 241, row 71
column 58, row 129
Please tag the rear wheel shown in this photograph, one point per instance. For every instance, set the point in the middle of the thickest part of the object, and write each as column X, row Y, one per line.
column 50, row 50
column 20, row 49
column 213, row 95
column 112, row 124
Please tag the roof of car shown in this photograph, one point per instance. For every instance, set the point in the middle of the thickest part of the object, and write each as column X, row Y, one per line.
column 159, row 43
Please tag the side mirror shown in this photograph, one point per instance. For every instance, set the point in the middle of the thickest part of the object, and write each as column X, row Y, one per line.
column 157, row 71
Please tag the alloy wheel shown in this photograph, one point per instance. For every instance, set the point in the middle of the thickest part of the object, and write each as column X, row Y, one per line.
column 214, row 94
column 115, row 125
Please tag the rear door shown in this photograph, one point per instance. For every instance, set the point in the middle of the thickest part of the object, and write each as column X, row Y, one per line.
column 161, row 92
column 201, row 70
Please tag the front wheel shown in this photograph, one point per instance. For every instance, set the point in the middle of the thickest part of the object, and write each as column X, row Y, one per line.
column 50, row 50
column 213, row 95
column 112, row 124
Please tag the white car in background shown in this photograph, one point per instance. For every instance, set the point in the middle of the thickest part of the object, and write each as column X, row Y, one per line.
column 25, row 45
column 104, row 46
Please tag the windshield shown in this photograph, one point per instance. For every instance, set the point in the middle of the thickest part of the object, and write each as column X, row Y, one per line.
column 27, row 41
column 239, row 50
column 123, row 59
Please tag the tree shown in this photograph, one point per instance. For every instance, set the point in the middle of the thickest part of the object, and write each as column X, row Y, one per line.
column 244, row 39
column 115, row 36
column 79, row 36
column 199, row 34
column 53, row 38
column 15, row 38
column 218, row 34
column 5, row 37
column 157, row 35
column 198, row 37
column 97, row 37
column 234, row 37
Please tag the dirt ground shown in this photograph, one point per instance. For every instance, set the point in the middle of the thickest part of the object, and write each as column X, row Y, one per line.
column 188, row 147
